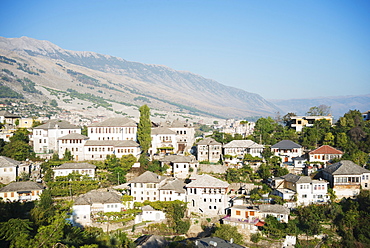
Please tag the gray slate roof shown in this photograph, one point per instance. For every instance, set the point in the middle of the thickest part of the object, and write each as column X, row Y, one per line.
column 243, row 143
column 162, row 130
column 74, row 136
column 7, row 114
column 75, row 166
column 115, row 143
column 296, row 179
column 286, row 144
column 208, row 141
column 345, row 167
column 98, row 197
column 177, row 159
column 206, row 181
column 8, row 162
column 115, row 122
column 221, row 243
column 148, row 177
column 21, row 186
column 278, row 209
column 54, row 124
column 175, row 185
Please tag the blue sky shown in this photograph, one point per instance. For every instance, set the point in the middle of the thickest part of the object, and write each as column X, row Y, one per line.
column 278, row 49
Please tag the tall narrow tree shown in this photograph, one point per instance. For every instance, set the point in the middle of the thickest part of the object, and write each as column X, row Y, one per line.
column 144, row 131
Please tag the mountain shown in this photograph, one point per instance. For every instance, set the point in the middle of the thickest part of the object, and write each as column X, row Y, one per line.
column 118, row 81
column 339, row 104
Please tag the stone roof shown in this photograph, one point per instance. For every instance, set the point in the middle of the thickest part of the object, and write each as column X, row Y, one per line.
column 345, row 167
column 115, row 122
column 74, row 136
column 177, row 159
column 299, row 158
column 206, row 181
column 176, row 185
column 162, row 130
column 215, row 242
column 21, row 186
column 8, row 162
column 296, row 179
column 115, row 143
column 57, row 124
column 95, row 196
column 286, row 144
column 208, row 141
column 243, row 143
column 276, row 208
column 148, row 208
column 75, row 166
column 151, row 241
column 7, row 114
column 326, row 149
column 148, row 177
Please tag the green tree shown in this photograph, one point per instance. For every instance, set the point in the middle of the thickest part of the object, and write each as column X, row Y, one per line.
column 144, row 129
column 321, row 110
column 53, row 103
column 67, row 155
column 18, row 150
column 228, row 232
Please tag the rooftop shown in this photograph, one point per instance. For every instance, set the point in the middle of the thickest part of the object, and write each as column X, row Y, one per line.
column 115, row 122
column 286, row 144
column 8, row 162
column 345, row 167
column 95, row 196
column 148, row 177
column 21, row 186
column 243, row 143
column 75, row 166
column 206, row 181
column 57, row 124
column 326, row 149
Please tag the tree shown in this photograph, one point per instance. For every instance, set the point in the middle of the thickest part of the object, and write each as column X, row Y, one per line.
column 67, row 155
column 144, row 129
column 321, row 110
column 18, row 150
column 228, row 232
column 53, row 103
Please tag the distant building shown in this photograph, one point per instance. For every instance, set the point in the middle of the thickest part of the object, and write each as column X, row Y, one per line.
column 164, row 140
column 347, row 178
column 99, row 149
column 8, row 118
column 209, row 149
column 180, row 166
column 238, row 148
column 287, row 150
column 21, row 191
column 79, row 168
column 146, row 186
column 10, row 169
column 299, row 122
column 173, row 189
column 73, row 142
column 117, row 128
column 185, row 135
column 324, row 154
column 366, row 115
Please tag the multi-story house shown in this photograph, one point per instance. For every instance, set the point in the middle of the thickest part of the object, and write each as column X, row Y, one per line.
column 88, row 206
column 243, row 128
column 73, row 142
column 180, row 166
column 21, row 191
column 301, row 189
column 299, row 122
column 207, row 195
column 238, row 148
column 324, row 154
column 164, row 141
column 173, row 189
column 8, row 118
column 146, row 186
column 209, row 150
column 117, row 128
column 286, row 150
column 248, row 218
column 79, row 168
column 10, row 169
column 185, row 135
column 45, row 137
column 99, row 149
column 347, row 178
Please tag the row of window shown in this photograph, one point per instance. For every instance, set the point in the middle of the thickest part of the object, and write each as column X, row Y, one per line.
column 210, row 200
column 72, row 141
column 181, row 132
column 347, row 179
column 11, row 194
column 127, row 130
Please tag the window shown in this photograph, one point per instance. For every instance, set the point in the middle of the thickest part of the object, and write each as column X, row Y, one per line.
column 237, row 212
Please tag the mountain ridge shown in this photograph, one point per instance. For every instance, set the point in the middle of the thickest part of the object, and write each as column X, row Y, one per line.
column 183, row 86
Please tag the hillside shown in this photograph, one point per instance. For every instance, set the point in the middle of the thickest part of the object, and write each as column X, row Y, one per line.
column 115, row 83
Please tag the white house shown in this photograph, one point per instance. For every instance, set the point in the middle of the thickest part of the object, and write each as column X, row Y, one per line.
column 286, row 150
column 209, row 149
column 207, row 195
column 146, row 186
column 21, row 191
column 149, row 214
column 10, row 169
column 172, row 190
column 299, row 122
column 117, row 128
column 180, row 166
column 73, row 142
column 303, row 189
column 324, row 154
column 164, row 140
column 80, row 168
column 99, row 149
column 45, row 137
column 238, row 148
column 93, row 202
column 185, row 135
column 347, row 178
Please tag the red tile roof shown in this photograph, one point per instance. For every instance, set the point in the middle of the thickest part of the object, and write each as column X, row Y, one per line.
column 326, row 149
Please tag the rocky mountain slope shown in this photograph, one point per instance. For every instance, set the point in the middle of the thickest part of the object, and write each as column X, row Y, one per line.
column 114, row 83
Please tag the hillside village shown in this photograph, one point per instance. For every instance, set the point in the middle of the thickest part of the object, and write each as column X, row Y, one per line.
column 278, row 183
